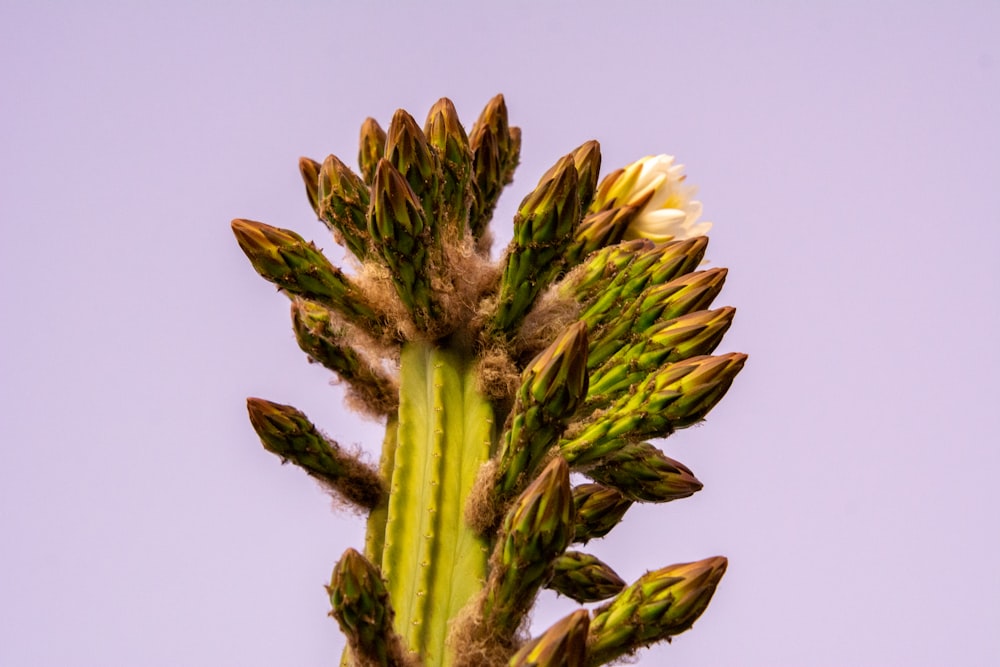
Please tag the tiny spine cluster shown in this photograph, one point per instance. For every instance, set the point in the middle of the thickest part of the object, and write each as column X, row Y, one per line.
column 592, row 335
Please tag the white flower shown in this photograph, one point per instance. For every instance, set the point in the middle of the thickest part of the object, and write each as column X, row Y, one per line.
column 670, row 213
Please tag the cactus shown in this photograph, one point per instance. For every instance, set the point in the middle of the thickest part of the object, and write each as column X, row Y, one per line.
column 591, row 335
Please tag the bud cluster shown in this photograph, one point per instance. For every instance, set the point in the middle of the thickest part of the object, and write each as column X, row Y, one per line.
column 592, row 334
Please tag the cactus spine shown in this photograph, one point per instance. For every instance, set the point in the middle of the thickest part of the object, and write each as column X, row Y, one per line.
column 590, row 336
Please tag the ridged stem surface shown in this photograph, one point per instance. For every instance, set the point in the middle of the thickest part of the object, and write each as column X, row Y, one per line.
column 375, row 529
column 432, row 560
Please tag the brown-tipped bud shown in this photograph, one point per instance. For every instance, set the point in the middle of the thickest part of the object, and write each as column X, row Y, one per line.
column 513, row 154
column 361, row 606
column 343, row 205
column 372, row 148
column 659, row 605
column 694, row 334
column 552, row 386
column 584, row 578
column 445, row 133
column 675, row 259
column 287, row 260
column 494, row 156
column 543, row 231
column 394, row 208
column 605, row 297
column 539, row 525
column 557, row 378
column 686, row 294
column 642, row 472
column 444, row 130
column 588, row 166
column 673, row 340
column 598, row 509
column 551, row 210
column 598, row 230
column 310, row 176
column 318, row 337
column 678, row 395
column 699, row 390
column 325, row 343
column 600, row 269
column 407, row 149
column 398, row 229
column 562, row 645
column 289, row 434
column 537, row 528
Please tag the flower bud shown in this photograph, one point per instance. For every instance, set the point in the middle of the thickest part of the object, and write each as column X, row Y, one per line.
column 372, row 148
column 659, row 605
column 310, row 176
column 343, row 205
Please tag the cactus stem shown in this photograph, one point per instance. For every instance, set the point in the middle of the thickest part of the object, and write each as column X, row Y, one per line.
column 443, row 437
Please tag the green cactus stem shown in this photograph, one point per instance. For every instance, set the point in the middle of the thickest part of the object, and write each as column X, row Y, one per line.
column 434, row 562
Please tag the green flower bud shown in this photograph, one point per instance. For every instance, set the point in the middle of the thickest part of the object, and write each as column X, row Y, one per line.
column 680, row 296
column 399, row 230
column 310, row 176
column 659, row 605
column 372, row 148
column 552, row 386
column 407, row 149
column 543, row 231
column 598, row 230
column 324, row 342
column 445, row 133
column 361, row 606
column 642, row 472
column 562, row 645
column 495, row 151
column 537, row 528
column 286, row 432
column 584, row 578
column 676, row 396
column 287, row 260
column 598, row 509
column 343, row 205
column 681, row 338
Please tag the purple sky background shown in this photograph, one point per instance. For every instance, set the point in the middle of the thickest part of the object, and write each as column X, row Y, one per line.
column 847, row 152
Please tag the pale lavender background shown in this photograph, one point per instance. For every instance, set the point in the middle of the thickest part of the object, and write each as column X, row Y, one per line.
column 848, row 153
